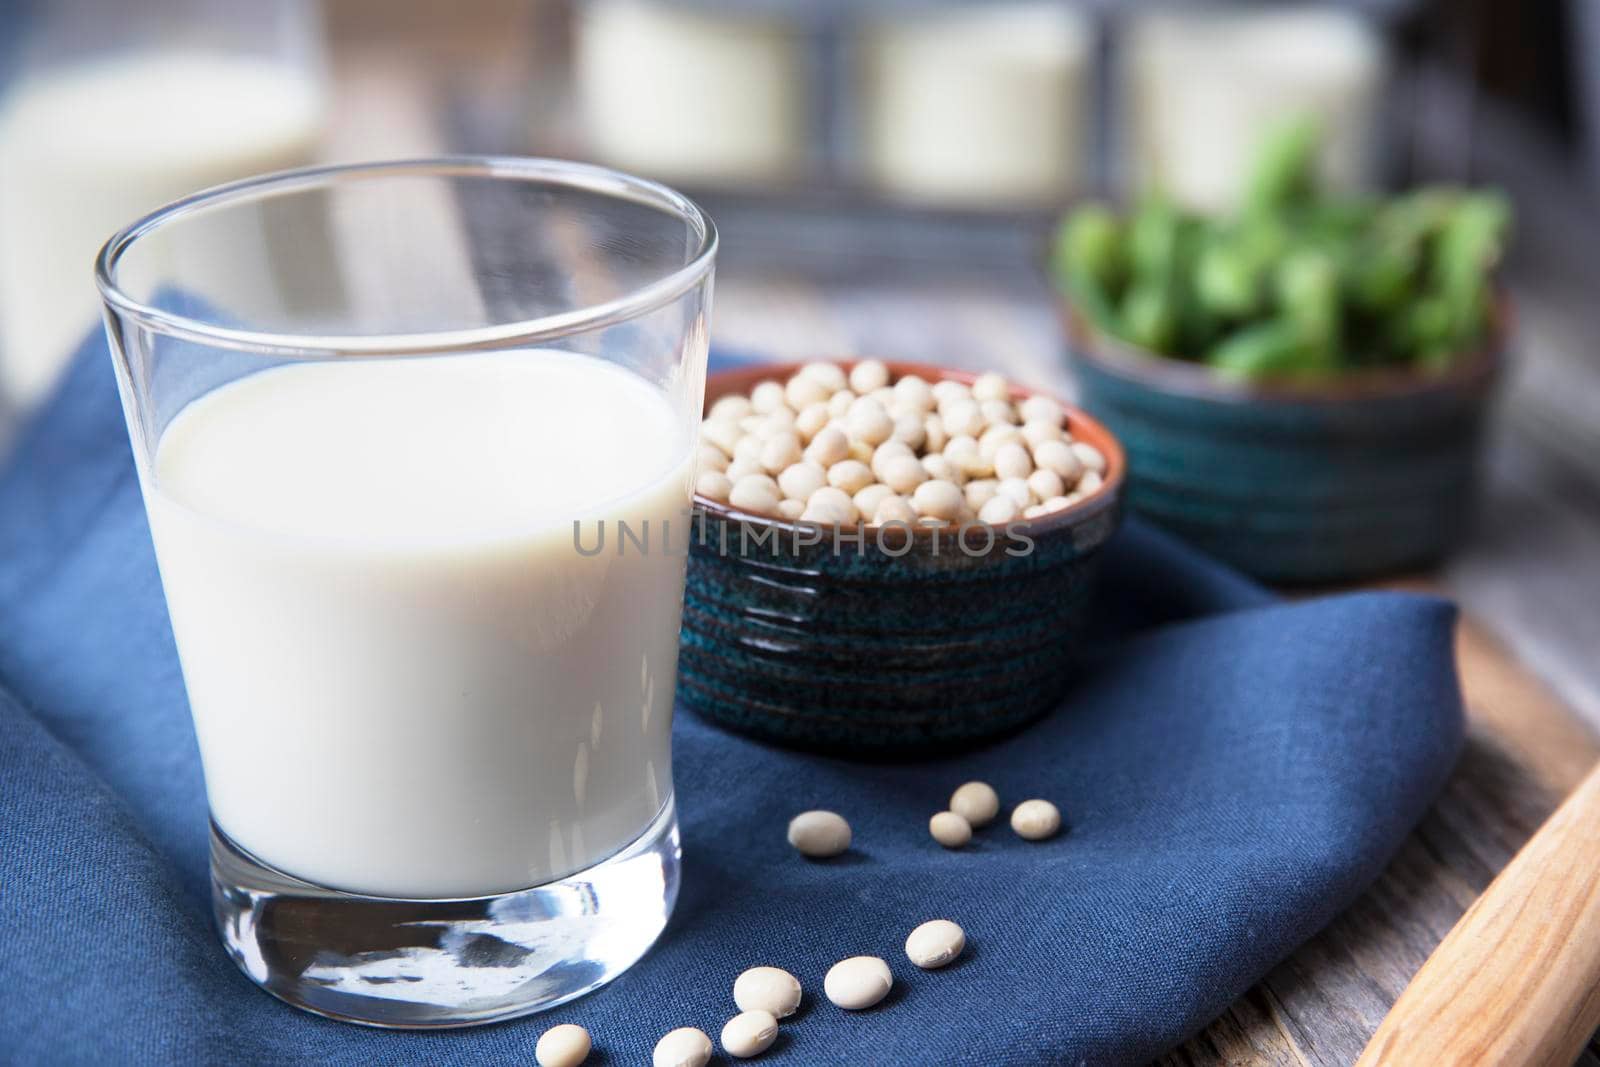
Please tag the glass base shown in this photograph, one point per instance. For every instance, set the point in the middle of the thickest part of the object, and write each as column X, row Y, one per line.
column 422, row 964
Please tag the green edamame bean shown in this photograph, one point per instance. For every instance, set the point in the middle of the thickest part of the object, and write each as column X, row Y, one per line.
column 1094, row 303
column 1426, row 325
column 1307, row 283
column 1226, row 282
column 1088, row 262
column 1089, row 244
column 1271, row 347
column 1381, row 276
column 1149, row 317
column 1465, row 251
column 1233, row 273
column 1263, row 238
column 1198, row 324
column 1284, row 167
column 1338, row 219
column 1153, row 241
column 1415, row 216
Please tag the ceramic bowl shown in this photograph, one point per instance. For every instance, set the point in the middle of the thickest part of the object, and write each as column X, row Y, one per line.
column 1370, row 474
column 905, row 643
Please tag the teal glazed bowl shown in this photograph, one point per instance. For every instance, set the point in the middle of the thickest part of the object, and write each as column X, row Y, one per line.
column 1297, row 483
column 903, row 643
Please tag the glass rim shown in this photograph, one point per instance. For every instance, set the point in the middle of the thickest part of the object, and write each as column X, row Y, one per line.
column 640, row 300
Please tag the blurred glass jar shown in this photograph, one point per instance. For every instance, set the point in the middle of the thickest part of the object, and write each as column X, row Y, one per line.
column 714, row 95
column 109, row 110
column 1201, row 86
column 978, row 106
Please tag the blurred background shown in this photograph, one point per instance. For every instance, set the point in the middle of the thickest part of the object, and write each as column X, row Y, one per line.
column 885, row 174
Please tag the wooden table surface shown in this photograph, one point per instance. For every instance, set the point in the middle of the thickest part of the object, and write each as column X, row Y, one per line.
column 1525, row 752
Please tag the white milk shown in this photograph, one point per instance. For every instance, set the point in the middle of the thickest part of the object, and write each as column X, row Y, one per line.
column 85, row 150
column 406, row 680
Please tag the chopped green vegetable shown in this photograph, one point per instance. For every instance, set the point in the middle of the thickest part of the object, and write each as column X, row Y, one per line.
column 1297, row 282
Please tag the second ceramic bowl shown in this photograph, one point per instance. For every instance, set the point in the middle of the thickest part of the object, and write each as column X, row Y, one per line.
column 1297, row 483
column 900, row 645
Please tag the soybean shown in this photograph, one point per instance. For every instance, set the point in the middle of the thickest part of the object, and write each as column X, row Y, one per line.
column 977, row 802
column 802, row 479
column 868, row 375
column 766, row 396
column 1012, row 461
column 749, row 1034
column 999, row 510
column 755, row 492
column 566, row 1045
column 828, row 447
column 769, row 989
column 990, row 386
column 1036, row 820
column 867, row 421
column 937, row 498
column 1060, row 457
column 950, row 829
column 914, row 392
column 686, row 1046
column 935, row 943
column 819, row 834
column 858, row 983
column 830, row 375
column 894, row 509
column 830, row 506
column 850, row 475
column 713, row 485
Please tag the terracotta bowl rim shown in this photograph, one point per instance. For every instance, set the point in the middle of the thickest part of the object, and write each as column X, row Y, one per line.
column 1107, row 496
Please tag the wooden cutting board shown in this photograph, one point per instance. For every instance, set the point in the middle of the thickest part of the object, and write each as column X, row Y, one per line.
column 1525, row 752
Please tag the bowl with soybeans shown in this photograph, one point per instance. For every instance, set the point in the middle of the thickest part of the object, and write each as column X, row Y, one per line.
column 1302, row 383
column 890, row 559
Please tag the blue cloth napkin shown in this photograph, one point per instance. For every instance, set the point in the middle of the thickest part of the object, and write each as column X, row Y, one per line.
column 1234, row 770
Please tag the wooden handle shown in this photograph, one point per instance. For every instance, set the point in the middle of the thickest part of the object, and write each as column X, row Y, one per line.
column 1517, row 981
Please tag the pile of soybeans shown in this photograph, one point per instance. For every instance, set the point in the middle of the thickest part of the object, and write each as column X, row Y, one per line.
column 845, row 449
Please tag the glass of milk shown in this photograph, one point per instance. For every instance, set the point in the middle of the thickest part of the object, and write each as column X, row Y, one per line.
column 1204, row 84
column 109, row 109
column 414, row 440
column 979, row 103
column 640, row 66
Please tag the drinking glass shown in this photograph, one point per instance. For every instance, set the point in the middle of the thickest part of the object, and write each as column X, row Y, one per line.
column 432, row 692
